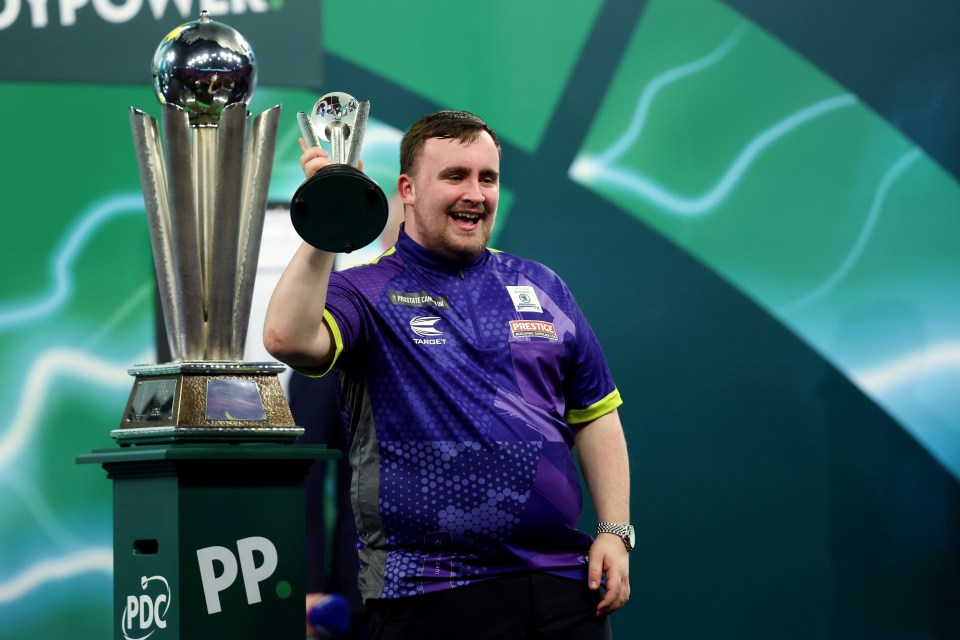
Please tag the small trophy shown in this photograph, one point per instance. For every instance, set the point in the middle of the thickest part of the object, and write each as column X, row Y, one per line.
column 339, row 208
column 205, row 185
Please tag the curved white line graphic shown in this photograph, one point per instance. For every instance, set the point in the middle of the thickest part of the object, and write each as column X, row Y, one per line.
column 57, row 294
column 876, row 206
column 588, row 171
column 140, row 298
column 655, row 86
column 898, row 372
column 38, row 507
column 59, row 568
column 48, row 366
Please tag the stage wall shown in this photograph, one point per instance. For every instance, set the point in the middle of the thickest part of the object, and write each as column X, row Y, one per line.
column 756, row 204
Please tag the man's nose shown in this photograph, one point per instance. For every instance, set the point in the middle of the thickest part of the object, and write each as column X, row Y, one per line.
column 472, row 191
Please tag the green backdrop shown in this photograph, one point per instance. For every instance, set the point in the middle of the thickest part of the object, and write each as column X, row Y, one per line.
column 756, row 204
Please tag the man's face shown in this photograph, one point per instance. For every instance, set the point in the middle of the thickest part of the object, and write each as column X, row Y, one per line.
column 453, row 194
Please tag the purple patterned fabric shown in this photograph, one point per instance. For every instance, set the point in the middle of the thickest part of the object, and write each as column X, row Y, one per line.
column 455, row 386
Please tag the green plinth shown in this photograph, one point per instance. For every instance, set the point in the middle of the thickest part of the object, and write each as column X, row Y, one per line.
column 209, row 539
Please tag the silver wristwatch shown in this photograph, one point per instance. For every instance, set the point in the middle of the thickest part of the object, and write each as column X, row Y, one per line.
column 622, row 531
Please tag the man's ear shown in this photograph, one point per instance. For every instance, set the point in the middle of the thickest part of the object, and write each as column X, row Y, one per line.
column 406, row 189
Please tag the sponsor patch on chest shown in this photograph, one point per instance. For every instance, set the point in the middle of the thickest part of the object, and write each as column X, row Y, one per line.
column 419, row 299
column 533, row 329
column 425, row 327
column 524, row 299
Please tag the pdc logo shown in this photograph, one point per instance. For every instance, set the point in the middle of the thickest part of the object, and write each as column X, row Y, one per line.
column 146, row 612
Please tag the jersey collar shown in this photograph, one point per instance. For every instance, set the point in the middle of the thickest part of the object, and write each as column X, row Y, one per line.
column 423, row 257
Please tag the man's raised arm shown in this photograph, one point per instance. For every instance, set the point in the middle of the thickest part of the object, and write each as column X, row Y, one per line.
column 294, row 331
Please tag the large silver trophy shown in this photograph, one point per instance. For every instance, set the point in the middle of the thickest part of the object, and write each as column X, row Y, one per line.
column 205, row 182
column 339, row 208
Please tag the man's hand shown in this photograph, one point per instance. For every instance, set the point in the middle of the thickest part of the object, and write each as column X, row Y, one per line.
column 312, row 159
column 312, row 599
column 609, row 556
column 315, row 158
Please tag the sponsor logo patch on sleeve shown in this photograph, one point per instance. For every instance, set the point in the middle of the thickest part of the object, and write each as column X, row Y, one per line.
column 533, row 329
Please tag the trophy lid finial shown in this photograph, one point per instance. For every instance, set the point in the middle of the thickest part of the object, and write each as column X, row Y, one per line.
column 203, row 66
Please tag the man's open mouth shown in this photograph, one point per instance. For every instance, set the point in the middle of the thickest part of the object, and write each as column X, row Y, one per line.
column 466, row 216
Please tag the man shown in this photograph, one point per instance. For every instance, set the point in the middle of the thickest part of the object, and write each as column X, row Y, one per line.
column 467, row 376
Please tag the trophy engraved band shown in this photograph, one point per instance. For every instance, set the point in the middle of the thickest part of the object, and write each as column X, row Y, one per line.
column 339, row 208
column 205, row 182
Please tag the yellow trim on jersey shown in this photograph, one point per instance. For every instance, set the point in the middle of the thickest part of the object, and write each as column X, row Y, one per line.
column 594, row 411
column 386, row 253
column 337, row 342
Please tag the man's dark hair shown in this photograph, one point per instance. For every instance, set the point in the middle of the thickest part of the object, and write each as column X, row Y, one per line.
column 459, row 125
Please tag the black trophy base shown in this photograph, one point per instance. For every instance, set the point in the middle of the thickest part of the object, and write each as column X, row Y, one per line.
column 339, row 209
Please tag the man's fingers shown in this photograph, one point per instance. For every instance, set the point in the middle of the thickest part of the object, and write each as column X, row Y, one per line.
column 312, row 159
column 595, row 571
column 618, row 593
column 609, row 599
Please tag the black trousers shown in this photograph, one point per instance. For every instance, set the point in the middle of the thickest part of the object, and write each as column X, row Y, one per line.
column 522, row 607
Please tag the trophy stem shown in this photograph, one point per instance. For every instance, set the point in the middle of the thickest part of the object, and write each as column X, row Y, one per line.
column 356, row 134
column 224, row 240
column 185, row 230
column 154, row 180
column 256, row 183
column 205, row 167
column 307, row 131
column 338, row 135
column 205, row 190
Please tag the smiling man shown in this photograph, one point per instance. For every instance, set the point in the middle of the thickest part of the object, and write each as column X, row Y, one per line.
column 451, row 187
column 467, row 377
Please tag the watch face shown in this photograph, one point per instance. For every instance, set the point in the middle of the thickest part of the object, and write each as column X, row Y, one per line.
column 631, row 536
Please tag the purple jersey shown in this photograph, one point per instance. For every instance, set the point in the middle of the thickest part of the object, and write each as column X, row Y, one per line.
column 459, row 388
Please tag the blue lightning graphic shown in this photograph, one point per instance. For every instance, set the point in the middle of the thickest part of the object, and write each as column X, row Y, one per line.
column 876, row 207
column 51, row 364
column 886, row 382
column 909, row 367
column 94, row 559
column 39, row 508
column 658, row 84
column 61, row 288
column 589, row 170
column 39, row 378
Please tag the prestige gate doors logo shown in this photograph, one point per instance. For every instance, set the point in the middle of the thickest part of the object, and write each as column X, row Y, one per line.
column 146, row 612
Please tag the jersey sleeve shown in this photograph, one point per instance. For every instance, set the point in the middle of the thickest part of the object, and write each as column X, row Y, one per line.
column 344, row 314
column 589, row 388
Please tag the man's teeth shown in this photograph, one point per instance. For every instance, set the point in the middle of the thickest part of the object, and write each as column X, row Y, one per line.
column 469, row 217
